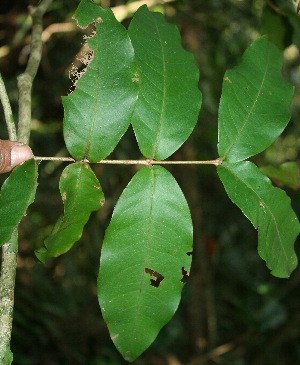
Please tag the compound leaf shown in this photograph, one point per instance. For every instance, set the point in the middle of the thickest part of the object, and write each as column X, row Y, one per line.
column 17, row 193
column 269, row 210
column 169, row 99
column 146, row 253
column 81, row 194
column 255, row 103
column 98, row 111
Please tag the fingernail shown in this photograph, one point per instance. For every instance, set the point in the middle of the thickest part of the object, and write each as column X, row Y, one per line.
column 20, row 153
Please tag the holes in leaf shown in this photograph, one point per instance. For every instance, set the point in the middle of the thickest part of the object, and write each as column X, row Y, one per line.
column 86, row 56
column 157, row 277
column 189, row 253
column 76, row 72
column 185, row 275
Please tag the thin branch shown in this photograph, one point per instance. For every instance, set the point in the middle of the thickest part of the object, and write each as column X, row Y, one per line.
column 9, row 118
column 9, row 256
column 60, row 159
column 58, row 28
column 122, row 12
column 147, row 162
column 10, row 249
column 276, row 8
column 26, row 79
column 7, row 284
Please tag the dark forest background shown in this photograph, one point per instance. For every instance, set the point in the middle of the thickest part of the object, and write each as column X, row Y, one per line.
column 233, row 312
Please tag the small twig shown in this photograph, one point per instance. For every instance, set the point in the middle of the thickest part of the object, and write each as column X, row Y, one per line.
column 9, row 118
column 124, row 11
column 147, row 162
column 26, row 79
column 61, row 159
column 58, row 28
column 276, row 8
column 154, row 162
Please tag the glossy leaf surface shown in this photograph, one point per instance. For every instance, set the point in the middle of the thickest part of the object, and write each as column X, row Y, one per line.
column 255, row 103
column 169, row 99
column 269, row 210
column 17, row 193
column 146, row 252
column 81, row 194
column 98, row 111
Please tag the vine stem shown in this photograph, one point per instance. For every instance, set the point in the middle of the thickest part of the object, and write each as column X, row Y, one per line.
column 147, row 162
column 10, row 249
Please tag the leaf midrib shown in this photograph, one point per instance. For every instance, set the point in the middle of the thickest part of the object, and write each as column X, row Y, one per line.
column 94, row 111
column 233, row 143
column 164, row 94
column 148, row 239
column 266, row 206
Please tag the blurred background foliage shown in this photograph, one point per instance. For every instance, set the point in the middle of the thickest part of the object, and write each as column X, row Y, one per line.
column 233, row 312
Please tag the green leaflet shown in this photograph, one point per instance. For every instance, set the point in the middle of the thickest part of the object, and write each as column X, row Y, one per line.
column 287, row 174
column 146, row 252
column 254, row 110
column 98, row 111
column 255, row 103
column 269, row 210
column 82, row 194
column 169, row 99
column 17, row 193
column 271, row 20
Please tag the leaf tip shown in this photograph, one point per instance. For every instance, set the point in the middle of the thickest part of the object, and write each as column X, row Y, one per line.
column 41, row 254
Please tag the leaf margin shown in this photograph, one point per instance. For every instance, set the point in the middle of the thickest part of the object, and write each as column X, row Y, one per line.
column 239, row 171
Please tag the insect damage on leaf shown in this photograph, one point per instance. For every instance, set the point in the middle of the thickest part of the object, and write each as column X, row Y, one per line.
column 227, row 79
column 86, row 55
column 81, row 194
column 157, row 277
column 85, row 59
column 64, row 196
column 97, row 113
column 185, row 275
